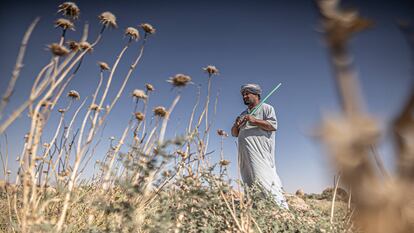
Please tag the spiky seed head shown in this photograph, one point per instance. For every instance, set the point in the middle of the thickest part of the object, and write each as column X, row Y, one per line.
column 139, row 116
column 148, row 28
column 104, row 65
column 149, row 87
column 211, row 70
column 160, row 111
column 58, row 50
column 222, row 133
column 139, row 94
column 94, row 107
column 108, row 19
column 84, row 45
column 73, row 45
column 180, row 80
column 224, row 162
column 132, row 33
column 69, row 9
column 73, row 94
column 64, row 24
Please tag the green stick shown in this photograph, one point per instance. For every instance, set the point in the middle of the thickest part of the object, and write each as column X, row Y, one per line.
column 264, row 100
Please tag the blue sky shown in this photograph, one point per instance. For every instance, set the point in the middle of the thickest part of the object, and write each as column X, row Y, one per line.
column 264, row 42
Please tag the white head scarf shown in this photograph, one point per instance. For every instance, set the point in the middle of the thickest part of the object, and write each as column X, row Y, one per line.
column 252, row 88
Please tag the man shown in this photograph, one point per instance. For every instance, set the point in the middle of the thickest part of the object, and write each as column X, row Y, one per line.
column 256, row 144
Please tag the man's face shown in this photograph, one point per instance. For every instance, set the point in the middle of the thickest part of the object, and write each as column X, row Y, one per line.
column 248, row 97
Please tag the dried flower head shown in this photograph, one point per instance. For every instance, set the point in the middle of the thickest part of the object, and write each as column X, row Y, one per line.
column 139, row 94
column 73, row 94
column 104, row 65
column 64, row 24
column 211, row 70
column 160, row 111
column 339, row 25
column 73, row 45
column 180, row 80
column 222, row 133
column 94, row 107
column 224, row 162
column 148, row 28
column 84, row 45
column 132, row 33
column 149, row 87
column 139, row 116
column 61, row 110
column 69, row 9
column 108, row 19
column 58, row 50
column 182, row 154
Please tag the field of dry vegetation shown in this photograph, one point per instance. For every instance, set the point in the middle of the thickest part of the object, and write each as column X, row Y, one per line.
column 169, row 184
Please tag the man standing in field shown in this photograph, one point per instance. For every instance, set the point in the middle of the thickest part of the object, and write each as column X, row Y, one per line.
column 256, row 144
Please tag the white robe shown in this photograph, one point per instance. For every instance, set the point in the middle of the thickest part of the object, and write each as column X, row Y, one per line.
column 256, row 149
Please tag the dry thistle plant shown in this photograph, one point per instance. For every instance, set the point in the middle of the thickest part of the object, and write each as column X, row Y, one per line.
column 64, row 24
column 58, row 50
column 132, row 33
column 160, row 111
column 157, row 184
column 104, row 66
column 69, row 9
column 180, row 80
column 381, row 204
column 148, row 28
column 139, row 94
column 149, row 87
column 108, row 19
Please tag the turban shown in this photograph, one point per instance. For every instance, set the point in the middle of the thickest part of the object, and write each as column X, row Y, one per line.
column 252, row 88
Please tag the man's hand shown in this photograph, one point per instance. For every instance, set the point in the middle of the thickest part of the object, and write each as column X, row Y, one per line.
column 238, row 122
column 263, row 124
column 251, row 119
column 235, row 129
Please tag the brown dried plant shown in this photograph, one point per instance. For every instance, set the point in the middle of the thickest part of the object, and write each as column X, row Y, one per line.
column 381, row 204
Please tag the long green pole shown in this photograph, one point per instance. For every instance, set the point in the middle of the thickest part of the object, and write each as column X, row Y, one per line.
column 264, row 100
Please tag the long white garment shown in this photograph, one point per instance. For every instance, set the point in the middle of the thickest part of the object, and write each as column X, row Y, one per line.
column 256, row 149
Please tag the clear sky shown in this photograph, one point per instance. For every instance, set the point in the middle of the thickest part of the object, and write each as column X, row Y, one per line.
column 264, row 42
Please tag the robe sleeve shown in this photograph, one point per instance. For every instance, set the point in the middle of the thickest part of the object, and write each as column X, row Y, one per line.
column 269, row 115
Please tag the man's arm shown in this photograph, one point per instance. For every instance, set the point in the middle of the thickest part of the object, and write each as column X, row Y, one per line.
column 235, row 127
column 263, row 124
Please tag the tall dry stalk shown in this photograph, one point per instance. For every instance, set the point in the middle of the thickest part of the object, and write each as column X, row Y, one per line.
column 19, row 65
column 382, row 205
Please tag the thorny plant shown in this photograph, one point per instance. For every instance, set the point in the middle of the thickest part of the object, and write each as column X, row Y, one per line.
column 381, row 204
column 46, row 186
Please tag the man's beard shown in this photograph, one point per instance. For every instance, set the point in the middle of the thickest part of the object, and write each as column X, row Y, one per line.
column 246, row 102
